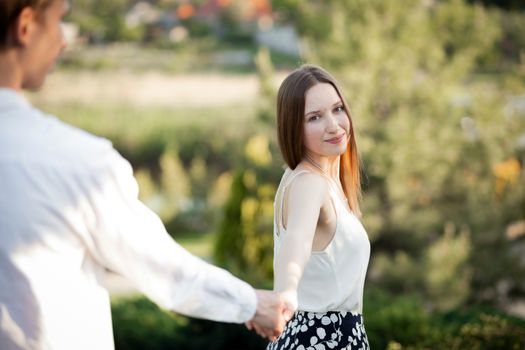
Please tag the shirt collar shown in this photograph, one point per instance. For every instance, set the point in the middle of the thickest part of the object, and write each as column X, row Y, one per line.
column 11, row 99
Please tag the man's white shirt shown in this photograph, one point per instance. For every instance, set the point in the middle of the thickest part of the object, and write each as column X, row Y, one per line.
column 69, row 210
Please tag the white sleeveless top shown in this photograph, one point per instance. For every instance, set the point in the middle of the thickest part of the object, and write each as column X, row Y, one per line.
column 334, row 278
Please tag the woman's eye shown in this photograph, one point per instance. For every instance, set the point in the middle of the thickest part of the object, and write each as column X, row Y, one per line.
column 313, row 118
column 339, row 109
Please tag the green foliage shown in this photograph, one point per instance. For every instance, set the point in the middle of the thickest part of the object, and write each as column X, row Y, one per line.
column 103, row 20
column 178, row 153
column 397, row 272
column 267, row 93
column 515, row 5
column 170, row 194
column 512, row 41
column 244, row 239
column 229, row 236
column 489, row 332
column 391, row 323
column 175, row 184
column 447, row 276
column 388, row 319
column 196, row 55
column 234, row 26
column 402, row 322
column 139, row 324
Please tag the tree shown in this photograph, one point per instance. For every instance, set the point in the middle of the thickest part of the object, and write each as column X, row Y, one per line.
column 245, row 238
column 103, row 20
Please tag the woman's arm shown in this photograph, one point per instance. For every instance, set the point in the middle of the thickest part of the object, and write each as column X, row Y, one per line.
column 305, row 199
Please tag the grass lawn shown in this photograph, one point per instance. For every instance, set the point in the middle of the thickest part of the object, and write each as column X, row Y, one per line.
column 200, row 244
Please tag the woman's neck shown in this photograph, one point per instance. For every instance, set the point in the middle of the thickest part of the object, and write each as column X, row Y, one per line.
column 325, row 165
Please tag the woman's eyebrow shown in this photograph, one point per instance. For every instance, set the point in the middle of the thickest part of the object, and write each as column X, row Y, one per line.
column 311, row 112
column 316, row 111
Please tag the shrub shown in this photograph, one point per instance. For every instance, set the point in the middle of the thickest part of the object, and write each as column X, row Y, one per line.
column 394, row 319
column 139, row 324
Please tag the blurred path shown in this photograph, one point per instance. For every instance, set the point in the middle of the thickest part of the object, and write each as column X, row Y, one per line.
column 153, row 88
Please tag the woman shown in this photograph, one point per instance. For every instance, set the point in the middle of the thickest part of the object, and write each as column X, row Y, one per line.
column 321, row 248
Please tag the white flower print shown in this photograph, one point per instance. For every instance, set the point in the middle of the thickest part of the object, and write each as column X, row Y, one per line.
column 331, row 344
column 321, row 333
column 313, row 340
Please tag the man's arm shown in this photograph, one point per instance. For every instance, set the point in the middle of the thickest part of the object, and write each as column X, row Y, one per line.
column 127, row 237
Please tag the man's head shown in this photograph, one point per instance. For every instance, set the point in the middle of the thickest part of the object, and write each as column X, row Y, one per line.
column 31, row 38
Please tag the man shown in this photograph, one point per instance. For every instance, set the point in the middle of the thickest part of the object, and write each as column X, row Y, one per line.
column 69, row 210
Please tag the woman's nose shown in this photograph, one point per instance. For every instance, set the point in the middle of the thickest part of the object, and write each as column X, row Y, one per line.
column 332, row 124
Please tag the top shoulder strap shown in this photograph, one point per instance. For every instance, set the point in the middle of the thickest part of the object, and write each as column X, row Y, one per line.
column 279, row 200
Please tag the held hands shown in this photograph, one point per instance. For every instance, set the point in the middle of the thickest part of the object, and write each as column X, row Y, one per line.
column 273, row 311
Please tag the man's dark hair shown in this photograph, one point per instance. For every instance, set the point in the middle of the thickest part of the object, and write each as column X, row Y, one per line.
column 9, row 11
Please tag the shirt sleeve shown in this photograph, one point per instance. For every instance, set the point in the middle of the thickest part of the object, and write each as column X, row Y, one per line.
column 128, row 238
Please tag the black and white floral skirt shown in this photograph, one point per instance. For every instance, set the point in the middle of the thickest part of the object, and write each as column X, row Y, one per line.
column 323, row 331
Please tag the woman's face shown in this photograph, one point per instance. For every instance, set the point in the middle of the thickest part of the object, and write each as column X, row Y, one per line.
column 326, row 124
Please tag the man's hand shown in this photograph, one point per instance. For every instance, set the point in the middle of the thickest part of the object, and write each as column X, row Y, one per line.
column 273, row 311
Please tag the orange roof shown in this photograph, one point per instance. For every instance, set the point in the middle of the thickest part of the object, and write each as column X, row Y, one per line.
column 258, row 7
column 185, row 11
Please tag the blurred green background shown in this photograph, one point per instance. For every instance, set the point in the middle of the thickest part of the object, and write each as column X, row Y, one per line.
column 186, row 92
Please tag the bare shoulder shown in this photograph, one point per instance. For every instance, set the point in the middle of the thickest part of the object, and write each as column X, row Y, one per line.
column 307, row 182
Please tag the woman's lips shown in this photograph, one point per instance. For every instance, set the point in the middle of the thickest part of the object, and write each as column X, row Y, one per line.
column 335, row 140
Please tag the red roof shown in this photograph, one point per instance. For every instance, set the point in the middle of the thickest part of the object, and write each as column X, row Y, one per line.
column 258, row 8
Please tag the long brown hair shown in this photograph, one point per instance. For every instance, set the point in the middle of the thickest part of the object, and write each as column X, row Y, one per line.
column 290, row 127
column 9, row 12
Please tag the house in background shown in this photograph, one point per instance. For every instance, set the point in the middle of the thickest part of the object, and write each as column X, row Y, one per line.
column 233, row 20
column 246, row 16
column 158, row 24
